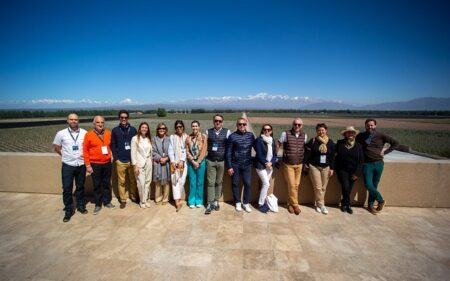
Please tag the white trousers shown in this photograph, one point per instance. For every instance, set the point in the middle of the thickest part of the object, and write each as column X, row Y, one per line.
column 143, row 180
column 178, row 184
column 265, row 176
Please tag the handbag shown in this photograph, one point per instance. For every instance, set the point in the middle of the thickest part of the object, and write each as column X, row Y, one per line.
column 272, row 202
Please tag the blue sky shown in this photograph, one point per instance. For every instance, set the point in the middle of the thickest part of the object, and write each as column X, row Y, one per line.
column 157, row 51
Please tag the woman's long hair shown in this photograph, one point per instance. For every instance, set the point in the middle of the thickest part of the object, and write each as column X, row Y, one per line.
column 148, row 135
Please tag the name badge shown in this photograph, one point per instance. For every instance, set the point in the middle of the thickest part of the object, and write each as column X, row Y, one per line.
column 323, row 159
column 74, row 147
column 215, row 147
column 105, row 150
column 183, row 153
column 127, row 146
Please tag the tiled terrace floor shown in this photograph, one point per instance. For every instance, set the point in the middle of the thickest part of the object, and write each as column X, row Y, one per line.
column 159, row 244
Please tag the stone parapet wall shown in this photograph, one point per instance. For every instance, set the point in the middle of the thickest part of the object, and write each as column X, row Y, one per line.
column 404, row 183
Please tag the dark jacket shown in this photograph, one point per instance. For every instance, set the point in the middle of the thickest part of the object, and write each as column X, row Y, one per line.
column 349, row 160
column 119, row 136
column 261, row 153
column 372, row 150
column 313, row 154
column 239, row 149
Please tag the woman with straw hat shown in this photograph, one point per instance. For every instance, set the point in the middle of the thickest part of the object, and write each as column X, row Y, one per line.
column 348, row 164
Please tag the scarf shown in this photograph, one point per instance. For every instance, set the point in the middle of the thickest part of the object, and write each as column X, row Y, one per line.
column 323, row 145
column 349, row 144
column 161, row 173
column 178, row 144
column 370, row 137
column 196, row 145
column 268, row 141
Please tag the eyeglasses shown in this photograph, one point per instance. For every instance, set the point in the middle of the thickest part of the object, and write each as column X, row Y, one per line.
column 218, row 121
column 123, row 117
column 267, row 129
column 297, row 125
column 242, row 124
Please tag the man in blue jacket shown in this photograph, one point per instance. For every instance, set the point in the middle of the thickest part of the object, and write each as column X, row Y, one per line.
column 239, row 163
column 121, row 150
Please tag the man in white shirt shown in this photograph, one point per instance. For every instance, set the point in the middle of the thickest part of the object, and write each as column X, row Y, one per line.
column 69, row 144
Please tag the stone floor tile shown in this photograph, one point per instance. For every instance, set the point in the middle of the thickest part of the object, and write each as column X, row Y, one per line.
column 285, row 243
column 228, row 241
column 231, row 258
column 256, row 241
column 259, row 260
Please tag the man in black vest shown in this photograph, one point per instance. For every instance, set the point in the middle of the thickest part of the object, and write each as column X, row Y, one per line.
column 217, row 140
column 293, row 143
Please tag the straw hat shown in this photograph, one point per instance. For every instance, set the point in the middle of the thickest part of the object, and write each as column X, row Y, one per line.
column 349, row 129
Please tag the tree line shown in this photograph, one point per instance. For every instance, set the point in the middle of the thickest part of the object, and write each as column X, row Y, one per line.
column 162, row 112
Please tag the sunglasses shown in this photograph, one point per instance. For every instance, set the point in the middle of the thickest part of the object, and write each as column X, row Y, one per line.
column 298, row 125
column 123, row 117
column 267, row 129
column 178, row 127
column 242, row 124
column 161, row 128
column 218, row 121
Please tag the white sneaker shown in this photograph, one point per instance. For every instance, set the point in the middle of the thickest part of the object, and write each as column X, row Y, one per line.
column 247, row 208
column 143, row 206
column 238, row 207
column 147, row 204
column 198, row 206
column 318, row 209
column 192, row 206
column 324, row 210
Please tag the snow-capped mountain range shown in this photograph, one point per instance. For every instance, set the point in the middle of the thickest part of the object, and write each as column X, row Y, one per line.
column 257, row 101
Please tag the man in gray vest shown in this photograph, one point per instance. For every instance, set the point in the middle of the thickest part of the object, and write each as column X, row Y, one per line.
column 217, row 139
column 293, row 143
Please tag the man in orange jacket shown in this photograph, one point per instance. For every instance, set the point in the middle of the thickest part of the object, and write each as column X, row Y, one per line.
column 97, row 158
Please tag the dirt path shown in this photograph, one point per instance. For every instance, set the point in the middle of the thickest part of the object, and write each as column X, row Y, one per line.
column 357, row 122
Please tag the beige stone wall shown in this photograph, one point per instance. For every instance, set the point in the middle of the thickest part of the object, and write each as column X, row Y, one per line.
column 414, row 184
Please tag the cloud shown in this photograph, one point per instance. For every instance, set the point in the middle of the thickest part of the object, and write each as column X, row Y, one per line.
column 127, row 101
column 62, row 101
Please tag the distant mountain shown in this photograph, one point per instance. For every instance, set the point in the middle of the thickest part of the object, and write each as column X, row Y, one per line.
column 426, row 104
column 258, row 101
column 262, row 101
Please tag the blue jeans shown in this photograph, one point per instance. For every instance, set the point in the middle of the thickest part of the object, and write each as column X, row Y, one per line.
column 101, row 177
column 68, row 174
column 244, row 172
column 372, row 175
column 196, row 183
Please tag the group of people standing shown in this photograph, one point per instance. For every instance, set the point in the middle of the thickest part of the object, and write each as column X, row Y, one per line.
column 168, row 160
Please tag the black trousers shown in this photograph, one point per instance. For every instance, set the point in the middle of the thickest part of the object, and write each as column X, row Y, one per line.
column 68, row 174
column 101, row 177
column 345, row 178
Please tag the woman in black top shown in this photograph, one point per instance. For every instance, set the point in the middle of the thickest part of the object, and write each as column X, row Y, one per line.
column 348, row 163
column 320, row 159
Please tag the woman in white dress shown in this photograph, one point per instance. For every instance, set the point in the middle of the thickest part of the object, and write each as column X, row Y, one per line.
column 177, row 156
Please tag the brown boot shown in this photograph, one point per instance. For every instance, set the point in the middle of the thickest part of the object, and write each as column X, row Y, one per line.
column 381, row 206
column 372, row 210
column 297, row 210
column 290, row 209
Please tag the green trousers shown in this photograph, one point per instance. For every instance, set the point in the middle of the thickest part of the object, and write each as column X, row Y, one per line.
column 214, row 176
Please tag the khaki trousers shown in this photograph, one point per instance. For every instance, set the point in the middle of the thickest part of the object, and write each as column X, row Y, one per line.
column 124, row 169
column 162, row 192
column 319, row 179
column 292, row 175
